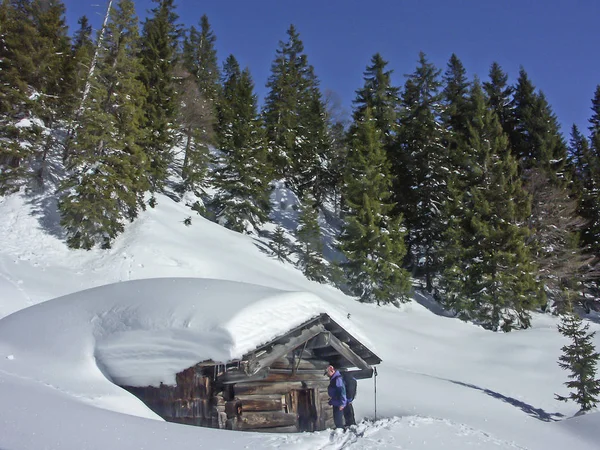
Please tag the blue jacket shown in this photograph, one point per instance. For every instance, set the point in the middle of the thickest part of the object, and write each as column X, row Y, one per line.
column 337, row 390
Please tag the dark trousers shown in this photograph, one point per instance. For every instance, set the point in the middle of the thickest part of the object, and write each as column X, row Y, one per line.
column 349, row 415
column 338, row 417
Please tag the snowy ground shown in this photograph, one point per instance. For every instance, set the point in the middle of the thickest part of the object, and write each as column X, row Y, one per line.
column 443, row 384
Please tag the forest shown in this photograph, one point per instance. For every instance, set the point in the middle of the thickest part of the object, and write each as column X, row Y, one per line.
column 466, row 185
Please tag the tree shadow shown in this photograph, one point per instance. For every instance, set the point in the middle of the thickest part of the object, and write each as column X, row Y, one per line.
column 536, row 413
column 45, row 209
column 426, row 300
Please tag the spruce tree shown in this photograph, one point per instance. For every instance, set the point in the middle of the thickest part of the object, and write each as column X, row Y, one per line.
column 196, row 121
column 536, row 138
column 591, row 200
column 424, row 168
column 310, row 247
column 200, row 59
column 34, row 64
column 295, row 118
column 108, row 166
column 280, row 244
column 242, row 176
column 455, row 96
column 378, row 95
column 158, row 53
column 499, row 94
column 489, row 275
column 580, row 359
column 372, row 241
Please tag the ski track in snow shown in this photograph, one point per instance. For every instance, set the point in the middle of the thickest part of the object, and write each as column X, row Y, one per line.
column 420, row 432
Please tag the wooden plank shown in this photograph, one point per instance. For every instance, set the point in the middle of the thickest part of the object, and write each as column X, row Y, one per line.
column 347, row 353
column 261, row 404
column 305, row 364
column 298, row 376
column 256, row 420
column 266, row 388
column 278, row 350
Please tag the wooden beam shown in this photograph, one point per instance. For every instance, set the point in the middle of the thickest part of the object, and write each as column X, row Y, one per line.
column 254, row 420
column 319, row 341
column 277, row 351
column 347, row 353
column 241, row 377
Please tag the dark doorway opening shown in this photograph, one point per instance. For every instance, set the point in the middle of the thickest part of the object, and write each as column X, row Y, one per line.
column 305, row 409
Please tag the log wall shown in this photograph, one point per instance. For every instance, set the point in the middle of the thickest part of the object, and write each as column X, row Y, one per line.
column 293, row 397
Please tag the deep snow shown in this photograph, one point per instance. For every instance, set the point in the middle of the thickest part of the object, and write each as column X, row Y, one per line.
column 443, row 384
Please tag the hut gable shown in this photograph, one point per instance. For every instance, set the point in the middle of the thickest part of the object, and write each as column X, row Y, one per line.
column 280, row 386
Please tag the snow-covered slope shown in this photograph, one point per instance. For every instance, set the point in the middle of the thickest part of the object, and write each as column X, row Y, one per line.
column 442, row 383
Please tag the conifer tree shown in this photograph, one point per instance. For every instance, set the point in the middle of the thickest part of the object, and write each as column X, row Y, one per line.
column 242, row 176
column 196, row 120
column 499, row 94
column 280, row 244
column 378, row 95
column 424, row 168
column 34, row 63
column 295, row 118
column 83, row 52
column 455, row 96
column 372, row 241
column 536, row 139
column 591, row 200
column 158, row 53
column 108, row 176
column 310, row 247
column 489, row 275
column 200, row 59
column 580, row 359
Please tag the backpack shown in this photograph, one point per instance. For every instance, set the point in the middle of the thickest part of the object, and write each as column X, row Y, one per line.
column 351, row 385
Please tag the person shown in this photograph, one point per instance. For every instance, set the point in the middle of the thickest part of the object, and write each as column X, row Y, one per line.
column 337, row 395
column 350, row 383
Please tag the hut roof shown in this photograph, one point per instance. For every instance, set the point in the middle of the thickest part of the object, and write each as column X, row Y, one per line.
column 144, row 332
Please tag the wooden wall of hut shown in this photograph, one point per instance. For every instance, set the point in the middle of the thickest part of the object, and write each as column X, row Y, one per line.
column 293, row 397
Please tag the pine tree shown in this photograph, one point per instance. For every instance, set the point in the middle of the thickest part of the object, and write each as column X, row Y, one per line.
column 158, row 53
column 196, row 121
column 536, row 138
column 591, row 200
column 378, row 95
column 242, row 176
column 499, row 94
column 580, row 358
column 295, row 118
column 280, row 244
column 200, row 59
column 455, row 96
column 489, row 275
column 108, row 176
column 424, row 168
column 310, row 247
column 34, row 58
column 371, row 240
column 83, row 52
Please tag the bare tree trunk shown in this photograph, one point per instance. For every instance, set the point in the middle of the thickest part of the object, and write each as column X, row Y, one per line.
column 88, row 82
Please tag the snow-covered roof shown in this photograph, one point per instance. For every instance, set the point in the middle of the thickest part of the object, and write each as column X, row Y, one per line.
column 143, row 332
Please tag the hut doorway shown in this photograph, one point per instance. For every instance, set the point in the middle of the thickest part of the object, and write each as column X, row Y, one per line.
column 304, row 405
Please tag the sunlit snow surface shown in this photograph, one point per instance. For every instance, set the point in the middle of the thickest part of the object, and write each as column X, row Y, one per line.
column 443, row 384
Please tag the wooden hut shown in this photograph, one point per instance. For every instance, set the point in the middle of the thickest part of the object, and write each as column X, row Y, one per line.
column 280, row 386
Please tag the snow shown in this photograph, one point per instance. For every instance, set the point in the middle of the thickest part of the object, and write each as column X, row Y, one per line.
column 166, row 296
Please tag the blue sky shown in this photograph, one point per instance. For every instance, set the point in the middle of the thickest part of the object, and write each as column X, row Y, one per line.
column 556, row 41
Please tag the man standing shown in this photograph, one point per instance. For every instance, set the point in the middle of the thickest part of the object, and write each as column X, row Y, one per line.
column 337, row 394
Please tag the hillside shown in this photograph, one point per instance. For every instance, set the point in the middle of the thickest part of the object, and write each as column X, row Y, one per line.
column 442, row 384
